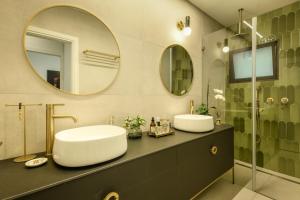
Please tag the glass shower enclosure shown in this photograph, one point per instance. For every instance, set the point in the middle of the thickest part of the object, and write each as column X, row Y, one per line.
column 260, row 77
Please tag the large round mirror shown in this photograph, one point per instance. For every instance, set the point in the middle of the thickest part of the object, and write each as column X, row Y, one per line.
column 176, row 70
column 72, row 50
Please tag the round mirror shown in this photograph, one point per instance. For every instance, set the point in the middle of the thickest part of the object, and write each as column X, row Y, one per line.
column 176, row 70
column 72, row 50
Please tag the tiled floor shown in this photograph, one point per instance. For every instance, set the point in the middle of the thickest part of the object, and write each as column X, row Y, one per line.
column 268, row 185
column 246, row 194
column 275, row 187
column 221, row 190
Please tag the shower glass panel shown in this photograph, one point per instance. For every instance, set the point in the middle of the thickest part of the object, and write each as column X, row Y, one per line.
column 278, row 152
column 275, row 108
column 218, row 73
column 239, row 104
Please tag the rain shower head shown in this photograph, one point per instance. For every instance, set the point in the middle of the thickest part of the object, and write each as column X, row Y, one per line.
column 240, row 25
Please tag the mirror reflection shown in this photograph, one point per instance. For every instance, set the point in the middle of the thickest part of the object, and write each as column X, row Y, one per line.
column 72, row 50
column 176, row 70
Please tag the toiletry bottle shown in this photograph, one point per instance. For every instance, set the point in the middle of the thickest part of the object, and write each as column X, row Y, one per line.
column 165, row 125
column 152, row 126
column 158, row 126
column 157, row 121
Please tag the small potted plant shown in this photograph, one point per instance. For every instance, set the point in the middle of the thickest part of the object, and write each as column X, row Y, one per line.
column 202, row 109
column 133, row 126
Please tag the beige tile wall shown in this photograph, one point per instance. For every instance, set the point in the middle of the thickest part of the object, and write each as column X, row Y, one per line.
column 143, row 28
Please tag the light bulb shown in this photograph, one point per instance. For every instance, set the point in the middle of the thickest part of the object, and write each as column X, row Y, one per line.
column 225, row 46
column 226, row 49
column 187, row 31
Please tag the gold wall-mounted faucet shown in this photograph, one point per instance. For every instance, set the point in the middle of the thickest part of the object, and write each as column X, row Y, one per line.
column 192, row 107
column 50, row 127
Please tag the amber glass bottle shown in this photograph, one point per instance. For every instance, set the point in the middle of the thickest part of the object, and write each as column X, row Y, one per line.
column 152, row 125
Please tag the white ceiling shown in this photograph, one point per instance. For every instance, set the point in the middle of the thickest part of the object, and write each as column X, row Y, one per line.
column 226, row 11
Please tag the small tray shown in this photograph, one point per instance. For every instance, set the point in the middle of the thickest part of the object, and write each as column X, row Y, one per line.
column 160, row 135
column 36, row 162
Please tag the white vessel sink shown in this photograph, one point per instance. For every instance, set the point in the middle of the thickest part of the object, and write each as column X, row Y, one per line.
column 89, row 145
column 194, row 123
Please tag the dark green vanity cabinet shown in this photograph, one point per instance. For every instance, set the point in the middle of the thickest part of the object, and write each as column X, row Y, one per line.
column 176, row 168
column 198, row 166
column 150, row 177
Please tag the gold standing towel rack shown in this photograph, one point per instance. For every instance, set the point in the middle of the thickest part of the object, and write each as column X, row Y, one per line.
column 25, row 157
column 99, row 59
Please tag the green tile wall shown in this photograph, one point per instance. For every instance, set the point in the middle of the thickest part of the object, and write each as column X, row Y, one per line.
column 182, row 74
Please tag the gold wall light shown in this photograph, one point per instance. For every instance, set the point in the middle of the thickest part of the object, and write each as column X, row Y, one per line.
column 185, row 26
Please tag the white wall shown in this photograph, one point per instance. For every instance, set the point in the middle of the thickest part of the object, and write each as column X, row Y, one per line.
column 143, row 30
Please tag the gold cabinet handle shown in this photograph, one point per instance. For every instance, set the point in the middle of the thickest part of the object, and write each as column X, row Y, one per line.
column 112, row 196
column 214, row 150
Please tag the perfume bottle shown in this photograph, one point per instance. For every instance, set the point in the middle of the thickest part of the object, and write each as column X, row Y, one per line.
column 152, row 126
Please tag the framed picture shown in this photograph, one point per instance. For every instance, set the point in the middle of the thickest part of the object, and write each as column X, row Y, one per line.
column 53, row 77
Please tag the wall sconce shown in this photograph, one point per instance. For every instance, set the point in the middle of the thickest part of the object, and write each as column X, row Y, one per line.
column 185, row 27
column 225, row 46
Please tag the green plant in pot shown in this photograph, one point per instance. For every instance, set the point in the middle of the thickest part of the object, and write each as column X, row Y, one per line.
column 133, row 126
column 202, row 109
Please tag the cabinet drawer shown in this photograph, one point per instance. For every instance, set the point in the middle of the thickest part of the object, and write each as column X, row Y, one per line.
column 198, row 166
column 146, row 178
column 120, row 179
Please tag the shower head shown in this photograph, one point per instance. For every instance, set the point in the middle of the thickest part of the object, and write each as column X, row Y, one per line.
column 238, row 35
column 240, row 26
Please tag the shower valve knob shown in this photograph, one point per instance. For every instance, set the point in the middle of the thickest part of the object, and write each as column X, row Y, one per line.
column 284, row 100
column 270, row 100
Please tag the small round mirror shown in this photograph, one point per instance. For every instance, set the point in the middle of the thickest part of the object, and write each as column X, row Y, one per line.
column 72, row 50
column 176, row 70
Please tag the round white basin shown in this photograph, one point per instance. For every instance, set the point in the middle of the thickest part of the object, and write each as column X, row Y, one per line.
column 89, row 145
column 194, row 123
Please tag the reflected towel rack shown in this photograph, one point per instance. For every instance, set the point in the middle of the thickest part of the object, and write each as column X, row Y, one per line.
column 99, row 59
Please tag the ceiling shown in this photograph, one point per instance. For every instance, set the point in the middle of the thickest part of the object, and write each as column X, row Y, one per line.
column 226, row 12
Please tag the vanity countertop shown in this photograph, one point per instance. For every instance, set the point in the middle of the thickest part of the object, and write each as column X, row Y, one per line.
column 16, row 180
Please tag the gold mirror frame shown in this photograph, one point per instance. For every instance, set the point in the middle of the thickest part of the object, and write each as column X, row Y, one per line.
column 47, row 83
column 160, row 71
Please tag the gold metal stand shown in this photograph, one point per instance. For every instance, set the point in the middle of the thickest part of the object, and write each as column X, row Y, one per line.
column 21, row 107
